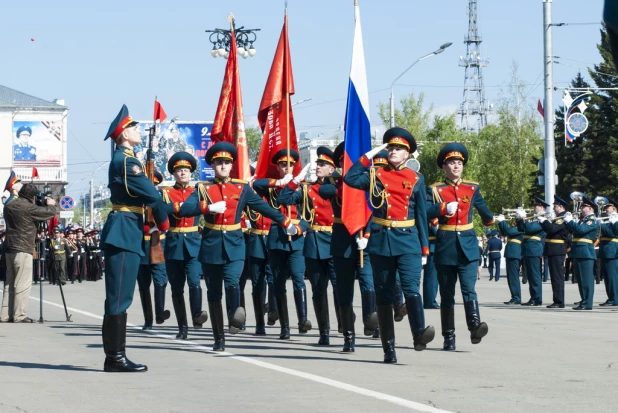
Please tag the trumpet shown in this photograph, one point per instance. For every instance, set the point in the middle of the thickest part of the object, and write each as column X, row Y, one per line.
column 578, row 198
column 601, row 202
column 608, row 217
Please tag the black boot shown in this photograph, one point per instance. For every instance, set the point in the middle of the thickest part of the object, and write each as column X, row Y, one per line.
column 181, row 316
column 300, row 299
column 144, row 295
column 370, row 317
column 320, row 305
column 258, row 309
column 337, row 314
column 284, row 319
column 376, row 333
column 242, row 304
column 161, row 314
column 114, row 342
column 236, row 315
column 273, row 314
column 416, row 316
column 347, row 319
column 387, row 332
column 216, row 320
column 447, row 317
column 477, row 329
column 399, row 309
column 198, row 316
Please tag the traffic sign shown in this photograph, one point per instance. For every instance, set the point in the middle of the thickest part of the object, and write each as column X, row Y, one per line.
column 66, row 203
column 67, row 214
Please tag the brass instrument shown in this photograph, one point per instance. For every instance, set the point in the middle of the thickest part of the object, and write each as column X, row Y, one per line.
column 601, row 202
column 578, row 198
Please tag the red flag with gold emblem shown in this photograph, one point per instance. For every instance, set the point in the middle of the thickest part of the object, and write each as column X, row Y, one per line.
column 229, row 125
column 275, row 115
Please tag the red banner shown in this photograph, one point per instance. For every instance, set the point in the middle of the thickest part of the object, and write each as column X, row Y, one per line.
column 275, row 115
column 159, row 113
column 229, row 125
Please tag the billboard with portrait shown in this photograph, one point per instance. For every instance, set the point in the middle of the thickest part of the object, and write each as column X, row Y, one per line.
column 37, row 143
column 192, row 137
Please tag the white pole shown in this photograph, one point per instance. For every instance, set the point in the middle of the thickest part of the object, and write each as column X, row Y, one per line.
column 550, row 150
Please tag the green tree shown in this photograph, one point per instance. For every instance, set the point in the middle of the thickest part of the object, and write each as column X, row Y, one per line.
column 254, row 140
column 411, row 116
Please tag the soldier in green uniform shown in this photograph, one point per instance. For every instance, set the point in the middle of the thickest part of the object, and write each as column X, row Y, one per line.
column 456, row 253
column 582, row 249
column 512, row 254
column 608, row 248
column 532, row 250
column 121, row 238
column 222, row 251
column 61, row 250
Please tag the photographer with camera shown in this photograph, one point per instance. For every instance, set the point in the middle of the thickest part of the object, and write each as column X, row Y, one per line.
column 22, row 216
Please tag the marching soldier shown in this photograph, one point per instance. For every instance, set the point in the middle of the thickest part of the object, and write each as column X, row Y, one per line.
column 284, row 253
column 457, row 251
column 494, row 253
column 182, row 247
column 582, row 250
column 121, row 237
column 532, row 250
column 609, row 252
column 346, row 250
column 512, row 254
column 60, row 249
column 156, row 274
column 398, row 241
column 222, row 252
column 318, row 212
column 555, row 250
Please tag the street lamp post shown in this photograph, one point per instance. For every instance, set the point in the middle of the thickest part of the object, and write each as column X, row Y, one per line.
column 221, row 40
column 392, row 111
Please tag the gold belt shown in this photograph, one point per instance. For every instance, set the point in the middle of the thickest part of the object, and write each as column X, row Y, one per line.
column 128, row 208
column 555, row 241
column 220, row 227
column 465, row 227
column 494, row 251
column 183, row 229
column 532, row 237
column 432, row 238
column 609, row 239
column 58, row 252
column 147, row 237
column 393, row 224
column 516, row 241
column 586, row 240
column 337, row 221
column 323, row 228
column 258, row 231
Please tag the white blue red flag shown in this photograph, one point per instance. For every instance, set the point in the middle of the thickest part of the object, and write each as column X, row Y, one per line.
column 357, row 132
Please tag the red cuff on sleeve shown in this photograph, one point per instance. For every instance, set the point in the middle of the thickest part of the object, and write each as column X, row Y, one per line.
column 204, row 207
column 367, row 234
column 365, row 161
column 425, row 250
column 488, row 223
column 443, row 208
column 146, row 229
column 286, row 222
column 176, row 207
column 272, row 183
column 434, row 222
column 299, row 229
column 164, row 226
column 293, row 185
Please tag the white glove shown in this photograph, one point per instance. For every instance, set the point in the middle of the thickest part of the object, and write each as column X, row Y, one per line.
column 424, row 260
column 613, row 217
column 284, row 181
column 291, row 229
column 568, row 217
column 361, row 243
column 153, row 229
column 500, row 218
column 451, row 208
column 541, row 219
column 247, row 223
column 520, row 214
column 375, row 151
column 301, row 176
column 552, row 215
column 217, row 207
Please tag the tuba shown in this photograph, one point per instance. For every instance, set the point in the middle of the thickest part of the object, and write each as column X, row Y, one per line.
column 601, row 202
column 577, row 198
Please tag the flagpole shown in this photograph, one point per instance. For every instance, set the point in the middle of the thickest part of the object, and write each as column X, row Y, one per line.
column 287, row 117
column 360, row 234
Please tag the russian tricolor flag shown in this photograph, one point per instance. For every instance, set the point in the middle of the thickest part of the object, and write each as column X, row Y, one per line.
column 355, row 211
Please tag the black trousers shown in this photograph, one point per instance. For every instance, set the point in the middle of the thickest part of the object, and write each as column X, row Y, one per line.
column 556, row 272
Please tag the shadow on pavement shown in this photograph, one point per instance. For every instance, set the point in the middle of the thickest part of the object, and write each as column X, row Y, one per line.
column 23, row 365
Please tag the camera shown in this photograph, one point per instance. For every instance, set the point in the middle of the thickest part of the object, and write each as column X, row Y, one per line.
column 40, row 198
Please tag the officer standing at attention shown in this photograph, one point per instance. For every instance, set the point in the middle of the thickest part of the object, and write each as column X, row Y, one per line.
column 457, row 251
column 608, row 248
column 121, row 238
column 13, row 185
column 512, row 253
column 284, row 253
column 494, row 253
column 61, row 250
column 532, row 250
column 555, row 249
column 398, row 241
column 346, row 250
column 582, row 250
column 149, row 273
column 222, row 251
column 182, row 246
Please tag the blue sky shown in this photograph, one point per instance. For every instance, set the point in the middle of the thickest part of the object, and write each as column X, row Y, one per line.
column 99, row 55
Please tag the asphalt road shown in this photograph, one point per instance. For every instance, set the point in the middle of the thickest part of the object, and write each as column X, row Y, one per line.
column 534, row 359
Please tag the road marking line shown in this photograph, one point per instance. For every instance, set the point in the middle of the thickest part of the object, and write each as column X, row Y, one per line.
column 307, row 376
